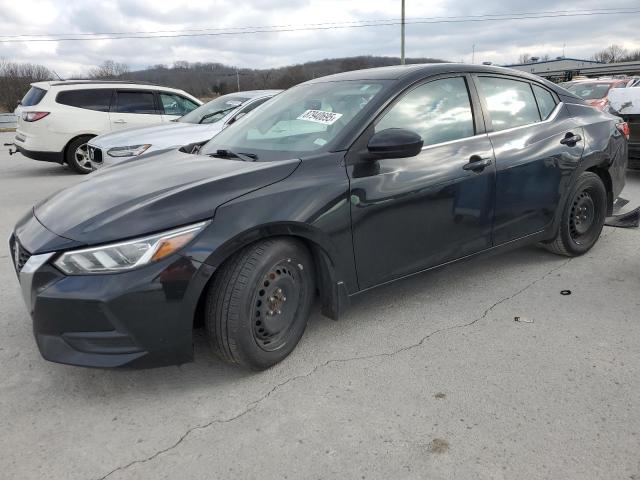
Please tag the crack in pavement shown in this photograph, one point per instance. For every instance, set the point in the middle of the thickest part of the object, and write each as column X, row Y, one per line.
column 255, row 403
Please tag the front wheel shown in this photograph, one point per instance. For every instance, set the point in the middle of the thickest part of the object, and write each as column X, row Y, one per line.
column 582, row 218
column 259, row 302
column 77, row 156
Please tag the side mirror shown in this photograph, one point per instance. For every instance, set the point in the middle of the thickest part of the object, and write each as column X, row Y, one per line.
column 395, row 143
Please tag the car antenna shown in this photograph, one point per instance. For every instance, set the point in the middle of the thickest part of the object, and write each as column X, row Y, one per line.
column 59, row 77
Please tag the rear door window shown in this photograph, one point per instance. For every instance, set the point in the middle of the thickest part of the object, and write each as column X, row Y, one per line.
column 510, row 102
column 33, row 97
column 439, row 111
column 98, row 99
column 546, row 102
column 135, row 102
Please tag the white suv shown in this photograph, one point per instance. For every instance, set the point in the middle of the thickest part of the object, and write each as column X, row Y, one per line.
column 57, row 119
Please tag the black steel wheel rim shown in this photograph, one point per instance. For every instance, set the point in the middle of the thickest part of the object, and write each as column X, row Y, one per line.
column 582, row 221
column 275, row 305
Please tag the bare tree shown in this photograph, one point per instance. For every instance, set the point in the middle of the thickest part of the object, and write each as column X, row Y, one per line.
column 15, row 79
column 109, row 69
column 524, row 58
column 612, row 54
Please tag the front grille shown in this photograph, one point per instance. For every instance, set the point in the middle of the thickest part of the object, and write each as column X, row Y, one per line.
column 20, row 255
column 95, row 154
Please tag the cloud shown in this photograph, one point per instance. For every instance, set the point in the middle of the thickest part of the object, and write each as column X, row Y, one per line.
column 499, row 42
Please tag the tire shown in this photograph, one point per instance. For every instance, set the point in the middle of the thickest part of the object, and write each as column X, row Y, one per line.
column 582, row 218
column 259, row 301
column 77, row 155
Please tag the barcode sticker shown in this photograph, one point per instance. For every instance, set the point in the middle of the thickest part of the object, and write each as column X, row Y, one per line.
column 319, row 116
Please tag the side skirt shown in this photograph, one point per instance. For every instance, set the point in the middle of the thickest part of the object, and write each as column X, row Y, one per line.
column 495, row 250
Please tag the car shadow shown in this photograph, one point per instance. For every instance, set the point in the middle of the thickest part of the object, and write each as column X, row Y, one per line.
column 50, row 170
column 207, row 371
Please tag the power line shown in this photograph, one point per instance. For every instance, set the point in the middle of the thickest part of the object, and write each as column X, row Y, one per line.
column 226, row 32
column 497, row 16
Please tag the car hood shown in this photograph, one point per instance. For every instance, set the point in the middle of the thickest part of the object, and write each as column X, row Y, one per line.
column 165, row 191
column 166, row 135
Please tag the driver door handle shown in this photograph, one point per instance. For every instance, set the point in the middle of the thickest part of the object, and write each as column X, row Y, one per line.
column 120, row 121
column 570, row 139
column 477, row 163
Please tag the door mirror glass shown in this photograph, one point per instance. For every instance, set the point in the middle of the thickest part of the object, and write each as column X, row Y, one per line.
column 395, row 143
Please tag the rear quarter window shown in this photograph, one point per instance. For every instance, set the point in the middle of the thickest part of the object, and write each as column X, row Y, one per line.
column 546, row 102
column 33, row 97
column 92, row 99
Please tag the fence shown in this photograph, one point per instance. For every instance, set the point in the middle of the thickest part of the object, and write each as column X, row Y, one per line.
column 7, row 120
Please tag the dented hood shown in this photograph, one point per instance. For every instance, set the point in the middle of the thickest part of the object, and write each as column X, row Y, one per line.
column 168, row 190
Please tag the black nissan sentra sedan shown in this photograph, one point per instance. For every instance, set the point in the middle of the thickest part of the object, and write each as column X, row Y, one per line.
column 334, row 187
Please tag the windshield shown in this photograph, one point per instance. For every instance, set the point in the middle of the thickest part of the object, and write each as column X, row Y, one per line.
column 590, row 91
column 303, row 119
column 215, row 110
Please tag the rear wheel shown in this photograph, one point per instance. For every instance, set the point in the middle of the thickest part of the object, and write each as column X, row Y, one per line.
column 259, row 302
column 77, row 156
column 583, row 217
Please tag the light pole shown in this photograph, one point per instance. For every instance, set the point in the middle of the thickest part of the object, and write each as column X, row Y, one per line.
column 402, row 36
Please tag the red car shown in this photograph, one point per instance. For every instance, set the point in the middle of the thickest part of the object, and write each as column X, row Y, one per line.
column 595, row 91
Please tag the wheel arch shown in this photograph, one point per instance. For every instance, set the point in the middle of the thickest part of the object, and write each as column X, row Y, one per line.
column 333, row 291
column 605, row 176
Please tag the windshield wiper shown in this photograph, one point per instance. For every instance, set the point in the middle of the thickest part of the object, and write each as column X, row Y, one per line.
column 247, row 157
column 212, row 114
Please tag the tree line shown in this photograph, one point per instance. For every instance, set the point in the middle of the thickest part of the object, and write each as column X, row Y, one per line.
column 15, row 79
column 202, row 79
column 611, row 54
column 210, row 79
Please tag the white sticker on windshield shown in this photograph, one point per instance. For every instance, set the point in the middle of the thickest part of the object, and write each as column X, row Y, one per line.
column 319, row 116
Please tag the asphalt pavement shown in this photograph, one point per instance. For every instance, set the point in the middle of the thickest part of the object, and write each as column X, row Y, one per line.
column 428, row 378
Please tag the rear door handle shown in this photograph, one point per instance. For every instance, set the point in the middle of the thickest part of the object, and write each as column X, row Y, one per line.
column 570, row 139
column 477, row 163
column 120, row 121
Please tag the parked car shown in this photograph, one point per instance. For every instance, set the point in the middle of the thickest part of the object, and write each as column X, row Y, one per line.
column 335, row 186
column 195, row 127
column 626, row 103
column 56, row 119
column 596, row 91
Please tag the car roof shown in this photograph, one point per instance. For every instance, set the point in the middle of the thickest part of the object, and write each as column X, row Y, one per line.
column 61, row 85
column 87, row 84
column 602, row 80
column 422, row 70
column 255, row 93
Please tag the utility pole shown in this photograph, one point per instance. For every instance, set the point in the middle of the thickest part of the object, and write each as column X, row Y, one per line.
column 238, row 79
column 402, row 36
column 473, row 54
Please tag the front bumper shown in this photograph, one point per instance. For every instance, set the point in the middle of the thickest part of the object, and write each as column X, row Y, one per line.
column 141, row 318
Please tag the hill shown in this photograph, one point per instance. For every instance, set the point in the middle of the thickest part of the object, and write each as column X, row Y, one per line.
column 210, row 79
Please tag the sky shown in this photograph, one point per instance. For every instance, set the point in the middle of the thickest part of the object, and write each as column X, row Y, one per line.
column 500, row 42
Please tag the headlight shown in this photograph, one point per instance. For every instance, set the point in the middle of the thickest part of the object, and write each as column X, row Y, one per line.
column 132, row 151
column 127, row 255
